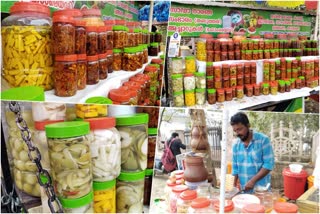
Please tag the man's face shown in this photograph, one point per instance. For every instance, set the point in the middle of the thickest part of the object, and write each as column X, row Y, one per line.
column 241, row 131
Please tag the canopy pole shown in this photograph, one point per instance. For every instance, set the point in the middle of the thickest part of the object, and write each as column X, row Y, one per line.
column 150, row 15
column 316, row 29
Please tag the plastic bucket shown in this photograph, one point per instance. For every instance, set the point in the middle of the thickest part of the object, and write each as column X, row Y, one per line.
column 294, row 183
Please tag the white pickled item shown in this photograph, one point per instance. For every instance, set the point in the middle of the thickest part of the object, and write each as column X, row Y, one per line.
column 176, row 65
column 201, row 81
column 178, row 99
column 189, row 82
column 42, row 111
column 26, row 182
column 177, row 82
column 200, row 96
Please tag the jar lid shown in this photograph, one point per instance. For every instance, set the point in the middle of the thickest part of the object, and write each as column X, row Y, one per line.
column 157, row 61
column 131, row 176
column 249, row 85
column 176, row 58
column 176, row 93
column 126, row 89
column 265, row 85
column 63, row 18
column 152, row 131
column 132, row 119
column 149, row 172
column 190, row 57
column 179, row 188
column 130, row 50
column 199, row 74
column 132, row 84
column 67, row 129
column 200, row 203
column 137, row 30
column 103, row 185
column 188, row 195
column 117, row 50
column 120, row 22
column 240, row 87
column 109, row 22
column 161, row 56
column 76, row 202
column 92, row 58
column 228, row 90
column 118, row 28
column 188, row 75
column 98, row 100
column 68, row 12
column 91, row 12
column 149, row 68
column 176, row 76
column 101, row 29
column 285, row 207
column 209, row 63
column 211, row 91
column 154, row 44
column 40, row 125
column 103, row 56
column 30, row 93
column 220, row 91
column 206, row 36
column 109, row 52
column 209, row 77
column 144, row 76
column 170, row 183
column 200, row 90
column 20, row 7
column 228, row 205
column 92, row 28
column 101, row 123
column 188, row 91
column 227, row 77
column 130, row 24
column 79, row 23
column 118, row 95
column 253, row 208
column 66, row 58
column 155, row 65
column 287, row 172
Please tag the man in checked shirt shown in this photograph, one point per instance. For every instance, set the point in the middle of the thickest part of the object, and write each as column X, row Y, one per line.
column 252, row 155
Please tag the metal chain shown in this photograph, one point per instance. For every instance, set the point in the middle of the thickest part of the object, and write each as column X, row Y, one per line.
column 43, row 175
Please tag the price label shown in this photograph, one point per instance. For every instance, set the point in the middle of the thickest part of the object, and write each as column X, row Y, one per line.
column 174, row 45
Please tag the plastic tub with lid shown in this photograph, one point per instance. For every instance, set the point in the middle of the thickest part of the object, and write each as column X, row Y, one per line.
column 253, row 208
column 104, row 196
column 63, row 34
column 185, row 200
column 228, row 206
column 284, row 207
column 200, row 205
column 294, row 183
column 174, row 196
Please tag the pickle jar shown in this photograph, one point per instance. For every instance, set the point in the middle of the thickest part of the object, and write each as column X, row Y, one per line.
column 153, row 49
column 220, row 95
column 176, row 65
column 133, row 94
column 190, row 64
column 152, row 140
column 92, row 70
column 65, row 75
column 201, row 47
column 130, row 59
column 217, row 71
column 281, row 86
column 78, row 205
column 105, row 147
column 70, row 158
column 200, row 205
column 145, row 54
column 92, row 40
column 110, row 61
column 104, row 199
column 81, row 71
column 26, row 181
column 200, row 80
column 160, row 63
column 145, row 37
column 189, row 82
column 249, row 90
column 103, row 66
column 287, row 86
column 185, row 199
column 117, row 60
column 211, row 83
column 80, row 37
column 174, row 196
column 19, row 69
column 152, row 72
column 102, row 39
column 256, row 89
column 119, row 36
column 240, row 92
column 86, row 111
column 209, row 69
column 228, row 94
column 134, row 141
column 211, row 96
column 189, row 97
column 63, row 35
column 46, row 111
column 273, row 88
column 158, row 37
column 178, row 99
column 200, row 96
column 265, row 89
column 92, row 17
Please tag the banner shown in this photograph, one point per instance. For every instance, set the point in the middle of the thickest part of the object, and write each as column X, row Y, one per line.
column 193, row 20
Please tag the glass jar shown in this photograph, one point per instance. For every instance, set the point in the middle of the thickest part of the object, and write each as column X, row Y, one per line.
column 209, row 69
column 152, row 139
column 200, row 96
column 223, row 56
column 134, row 141
column 185, row 199
column 103, row 66
column 132, row 38
column 130, row 189
column 153, row 49
column 240, row 69
column 176, row 65
column 77, row 205
column 45, row 111
column 152, row 72
column 65, row 75
column 217, row 83
column 130, row 59
column 265, row 88
column 256, row 89
column 19, row 68
column 233, row 81
column 249, row 90
column 110, row 61
column 177, row 82
column 211, row 83
column 201, row 47
column 132, row 93
column 200, row 80
column 151, row 37
column 273, row 89
column 70, row 160
column 287, row 86
column 145, row 37
column 226, row 82
column 80, row 37
column 228, row 94
column 178, row 99
column 92, row 40
column 220, row 95
column 86, row 111
column 92, row 17
column 102, row 39
column 92, row 70
column 211, row 93
column 281, row 86
column 189, row 82
column 81, row 71
column 147, row 187
column 104, row 196
column 189, row 97
column 174, row 196
column 105, row 148
column 190, row 64
column 210, row 56
column 240, row 92
column 117, row 60
column 217, row 56
column 63, row 35
column 139, row 53
column 200, row 205
column 109, row 42
column 225, row 70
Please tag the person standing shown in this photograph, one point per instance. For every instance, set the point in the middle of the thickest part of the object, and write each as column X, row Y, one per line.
column 252, row 155
column 176, row 144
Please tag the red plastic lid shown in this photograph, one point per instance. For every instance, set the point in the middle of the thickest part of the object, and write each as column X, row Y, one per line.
column 225, row 65
column 102, row 28
column 92, row 28
column 233, row 65
column 102, row 56
column 253, row 208
column 40, row 125
column 91, row 12
column 79, row 23
column 228, row 205
column 240, row 87
column 220, row 91
column 239, row 76
column 249, row 85
column 144, row 76
column 66, row 58
column 109, row 22
column 179, row 172
column 131, row 24
column 63, row 18
column 109, row 52
column 253, row 74
column 206, row 36
column 120, row 22
column 20, row 7
column 69, row 12
column 281, row 36
column 228, row 90
column 132, row 84
column 108, row 28
column 93, row 58
column 119, row 95
column 188, row 195
column 170, row 183
column 188, row 75
column 101, row 123
column 150, row 69
column 226, row 77
column 253, row 64
column 200, row 203
column 137, row 79
column 285, row 207
column 287, row 172
column 157, row 61
column 179, row 188
column 132, row 93
column 223, row 35
column 255, row 36
column 268, row 36
column 180, row 176
column 82, row 56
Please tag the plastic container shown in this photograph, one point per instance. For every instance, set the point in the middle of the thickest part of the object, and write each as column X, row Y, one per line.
column 103, row 66
column 189, row 97
column 228, row 206
column 178, row 99
column 117, row 60
column 130, row 59
column 152, row 140
column 176, row 65
column 130, row 190
column 190, row 64
column 78, row 205
column 220, row 95
column 189, row 82
column 153, row 49
column 92, row 17
column 70, row 158
column 147, row 187
column 65, row 75
column 174, row 196
column 92, row 41
column 17, row 68
column 63, row 35
column 92, row 70
column 104, row 197
column 80, row 37
column 294, row 183
column 110, row 61
column 185, row 199
column 200, row 96
column 295, row 168
column 81, row 71
column 211, row 82
column 228, row 94
column 102, row 39
column 253, row 208
column 120, row 97
column 211, row 96
column 177, row 82
column 240, row 92
column 134, row 141
column 285, row 207
column 200, row 205
column 119, row 36
column 200, row 80
column 201, row 47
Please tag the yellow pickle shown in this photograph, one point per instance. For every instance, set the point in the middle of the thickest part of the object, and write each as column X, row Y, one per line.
column 104, row 197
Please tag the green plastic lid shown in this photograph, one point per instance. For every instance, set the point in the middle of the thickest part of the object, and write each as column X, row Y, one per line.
column 154, row 44
column 118, row 28
column 103, row 185
column 149, row 172
column 266, row 50
column 190, row 57
column 117, row 51
column 145, row 31
column 281, row 83
column 209, row 63
column 176, row 76
column 131, row 176
column 67, row 129
column 265, row 85
column 200, row 90
column 162, row 56
column 153, row 88
column 292, row 79
column 248, row 51
column 177, row 93
column 278, row 61
column 288, row 60
column 98, row 100
column 176, row 58
column 188, row 91
column 209, row 77
column 137, row 30
column 76, row 202
column 301, row 77
column 132, row 119
column 294, row 70
column 211, row 91
column 31, row 93
column 199, row 74
column 155, row 65
column 152, row 131
column 288, row 82
column 130, row 50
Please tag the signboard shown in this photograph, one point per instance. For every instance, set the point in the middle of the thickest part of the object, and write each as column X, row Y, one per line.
column 193, row 20
column 127, row 10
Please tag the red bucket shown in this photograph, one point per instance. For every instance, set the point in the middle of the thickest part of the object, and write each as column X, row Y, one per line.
column 294, row 183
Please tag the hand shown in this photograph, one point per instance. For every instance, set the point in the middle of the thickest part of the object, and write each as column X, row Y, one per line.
column 249, row 185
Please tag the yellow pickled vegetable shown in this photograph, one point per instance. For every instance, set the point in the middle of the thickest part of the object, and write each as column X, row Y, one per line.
column 190, row 98
column 105, row 201
column 190, row 64
column 27, row 58
column 90, row 110
column 201, row 51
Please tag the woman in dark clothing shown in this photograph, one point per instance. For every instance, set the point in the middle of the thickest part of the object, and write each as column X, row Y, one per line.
column 176, row 144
